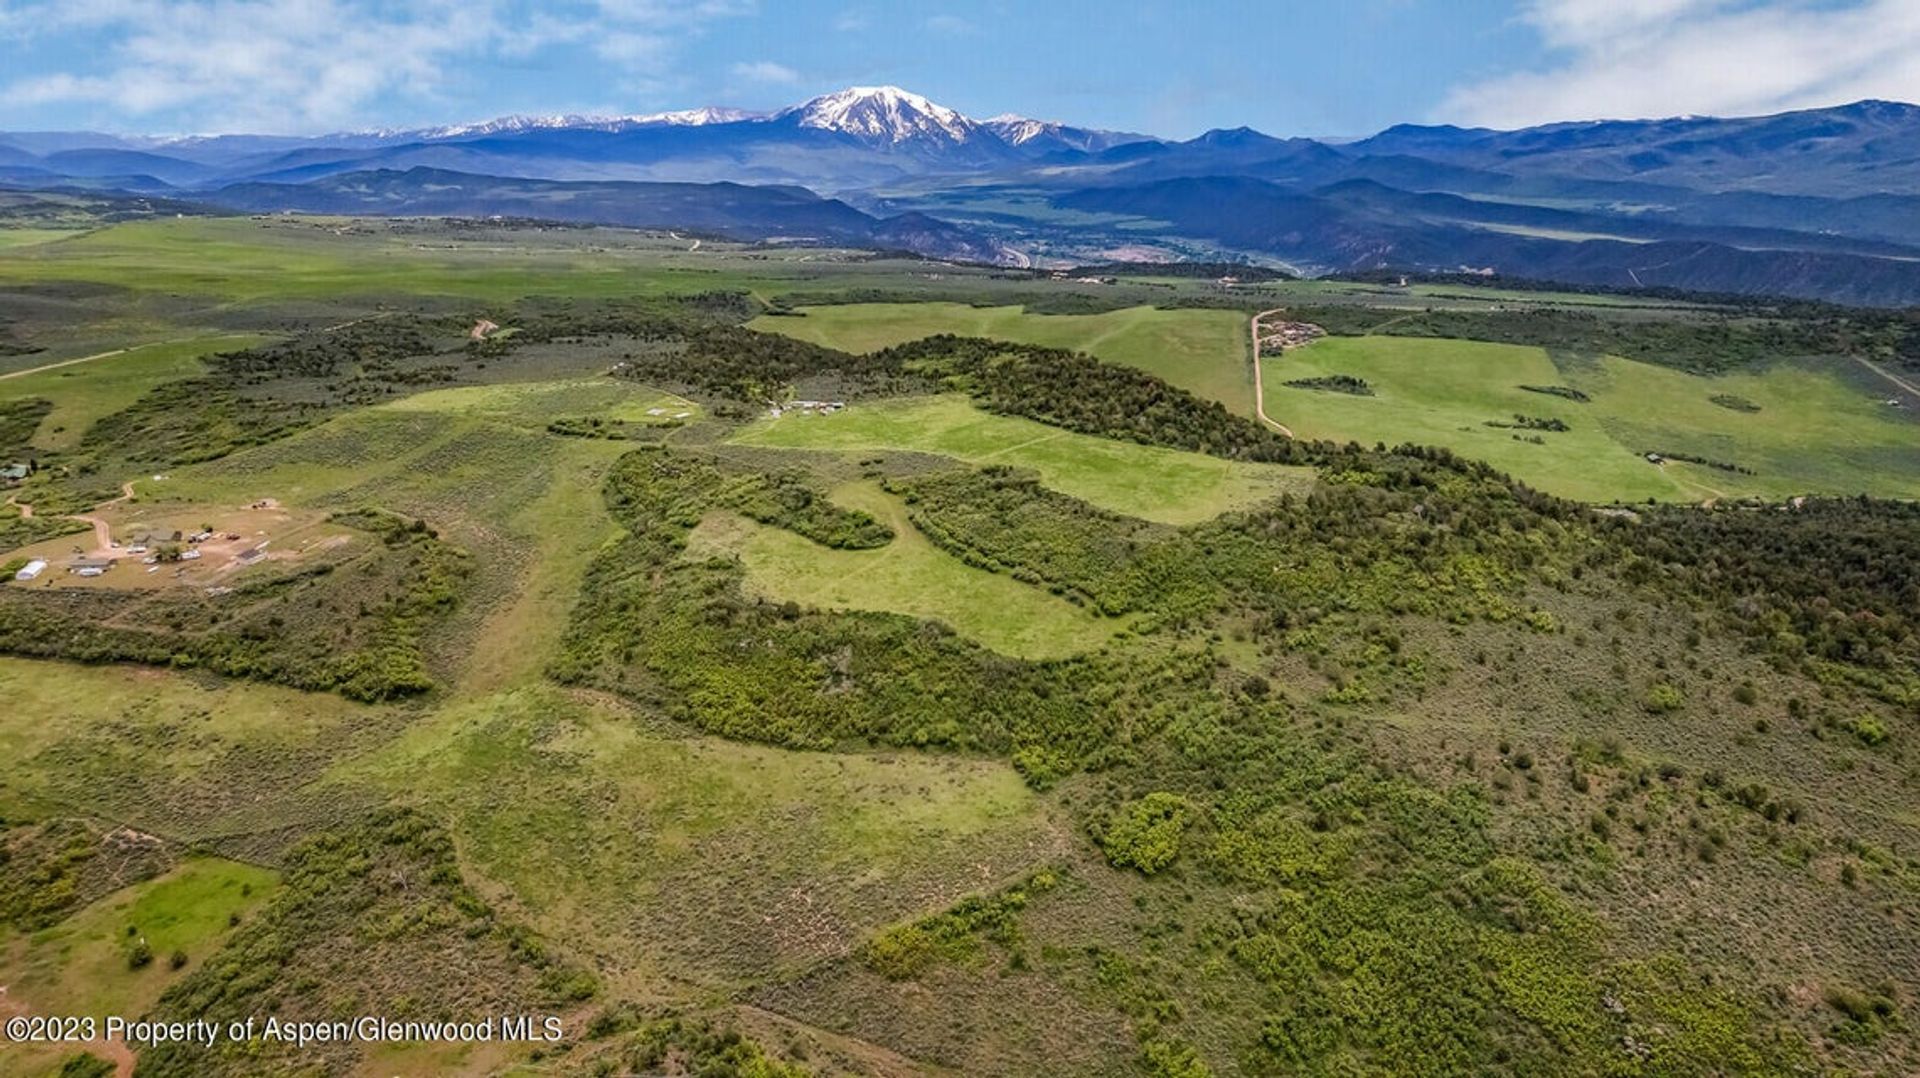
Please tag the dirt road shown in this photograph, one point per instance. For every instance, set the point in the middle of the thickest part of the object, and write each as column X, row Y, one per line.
column 1889, row 375
column 1259, row 389
column 62, row 363
column 123, row 351
column 102, row 533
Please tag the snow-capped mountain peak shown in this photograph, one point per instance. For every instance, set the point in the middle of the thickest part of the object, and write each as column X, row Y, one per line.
column 497, row 126
column 1049, row 135
column 510, row 125
column 884, row 114
column 1018, row 130
column 700, row 117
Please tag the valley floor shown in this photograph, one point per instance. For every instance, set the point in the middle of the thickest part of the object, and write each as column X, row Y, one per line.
column 1037, row 711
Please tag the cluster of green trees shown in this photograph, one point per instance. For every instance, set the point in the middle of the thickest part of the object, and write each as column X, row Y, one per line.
column 1832, row 579
column 1566, row 392
column 193, row 420
column 52, row 867
column 325, row 354
column 955, row 935
column 367, row 916
column 1706, row 462
column 1335, row 383
column 640, row 1040
column 1077, row 392
column 19, row 419
column 1004, row 521
column 1531, row 422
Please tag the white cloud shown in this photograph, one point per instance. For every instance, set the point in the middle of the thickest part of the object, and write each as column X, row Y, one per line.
column 308, row 65
column 766, row 71
column 951, row 25
column 1652, row 58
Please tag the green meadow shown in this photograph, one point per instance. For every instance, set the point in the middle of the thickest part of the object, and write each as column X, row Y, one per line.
column 1163, row 485
column 693, row 862
column 244, row 262
column 29, row 237
column 543, row 402
column 907, row 576
column 81, row 967
column 1201, row 351
column 84, row 392
column 1810, row 432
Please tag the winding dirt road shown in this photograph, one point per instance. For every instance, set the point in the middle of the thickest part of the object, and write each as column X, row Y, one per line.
column 102, row 533
column 1259, row 388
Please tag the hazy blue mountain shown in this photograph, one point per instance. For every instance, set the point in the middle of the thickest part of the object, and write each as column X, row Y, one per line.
column 1862, row 148
column 88, row 163
column 1047, row 139
column 739, row 211
column 1352, row 227
column 1775, row 200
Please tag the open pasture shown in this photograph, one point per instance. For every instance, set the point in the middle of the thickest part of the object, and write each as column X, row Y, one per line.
column 685, row 861
column 1163, row 485
column 1201, row 351
column 907, row 576
column 84, row 965
column 1808, row 432
column 539, row 403
column 86, row 391
column 369, row 263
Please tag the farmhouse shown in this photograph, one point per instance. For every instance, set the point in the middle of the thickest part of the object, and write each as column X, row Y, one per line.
column 15, row 473
column 805, row 407
column 90, row 566
column 1278, row 337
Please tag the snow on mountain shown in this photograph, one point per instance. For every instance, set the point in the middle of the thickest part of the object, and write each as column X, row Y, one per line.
column 502, row 125
column 1018, row 130
column 510, row 125
column 886, row 116
column 1050, row 135
column 700, row 117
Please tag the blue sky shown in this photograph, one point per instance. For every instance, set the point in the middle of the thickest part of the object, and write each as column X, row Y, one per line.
column 1172, row 69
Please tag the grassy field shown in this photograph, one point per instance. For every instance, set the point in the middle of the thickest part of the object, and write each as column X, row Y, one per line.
column 84, row 392
column 28, row 237
column 80, row 966
column 907, row 576
column 1202, row 352
column 247, row 262
column 1143, row 481
column 1811, row 432
column 542, row 402
column 1411, row 782
column 673, row 885
column 687, row 862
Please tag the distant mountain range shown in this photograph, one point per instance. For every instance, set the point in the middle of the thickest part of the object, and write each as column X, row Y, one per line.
column 766, row 212
column 1821, row 203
